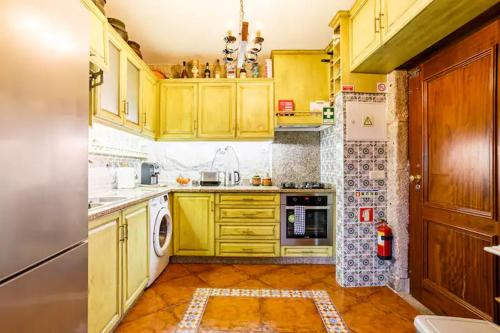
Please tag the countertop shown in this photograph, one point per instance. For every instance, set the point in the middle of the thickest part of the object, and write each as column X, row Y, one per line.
column 143, row 193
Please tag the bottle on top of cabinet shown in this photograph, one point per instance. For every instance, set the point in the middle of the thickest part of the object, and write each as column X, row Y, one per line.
column 184, row 73
column 206, row 73
column 218, row 70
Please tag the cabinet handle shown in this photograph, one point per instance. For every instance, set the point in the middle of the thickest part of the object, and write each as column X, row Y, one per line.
column 375, row 22
column 125, row 107
column 380, row 21
column 145, row 117
column 248, row 199
column 122, row 234
column 247, row 249
column 126, row 232
column 195, row 125
column 248, row 232
column 212, row 206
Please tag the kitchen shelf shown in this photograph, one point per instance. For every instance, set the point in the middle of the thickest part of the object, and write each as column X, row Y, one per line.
column 116, row 152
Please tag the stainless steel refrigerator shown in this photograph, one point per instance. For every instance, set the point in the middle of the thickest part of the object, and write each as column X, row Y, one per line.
column 43, row 166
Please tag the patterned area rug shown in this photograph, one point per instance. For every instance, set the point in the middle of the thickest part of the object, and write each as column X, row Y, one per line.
column 193, row 316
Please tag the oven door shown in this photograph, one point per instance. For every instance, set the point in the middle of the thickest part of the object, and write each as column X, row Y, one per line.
column 318, row 226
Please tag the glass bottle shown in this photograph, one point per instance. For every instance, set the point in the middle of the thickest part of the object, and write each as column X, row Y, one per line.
column 243, row 73
column 207, row 71
column 218, row 70
column 184, row 73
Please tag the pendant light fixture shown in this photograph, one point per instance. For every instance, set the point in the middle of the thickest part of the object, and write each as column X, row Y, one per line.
column 241, row 51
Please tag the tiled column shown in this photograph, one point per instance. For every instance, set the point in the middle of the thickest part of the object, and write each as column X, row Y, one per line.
column 397, row 176
column 347, row 165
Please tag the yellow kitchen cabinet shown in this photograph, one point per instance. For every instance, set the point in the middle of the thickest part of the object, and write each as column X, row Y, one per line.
column 340, row 73
column 228, row 231
column 248, row 199
column 149, row 105
column 245, row 248
column 217, row 110
column 255, row 114
column 135, row 253
column 365, row 30
column 98, row 39
column 300, row 75
column 178, row 110
column 131, row 85
column 385, row 34
column 397, row 13
column 306, row 251
column 193, row 216
column 105, row 273
column 110, row 92
column 252, row 214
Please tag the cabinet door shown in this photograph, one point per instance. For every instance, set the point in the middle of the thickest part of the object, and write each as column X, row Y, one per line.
column 255, row 116
column 98, row 35
column 135, row 254
column 365, row 34
column 104, row 303
column 110, row 90
column 397, row 13
column 178, row 108
column 149, row 105
column 193, row 224
column 217, row 110
column 131, row 81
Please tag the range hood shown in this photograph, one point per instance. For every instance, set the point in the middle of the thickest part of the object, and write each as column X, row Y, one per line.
column 295, row 121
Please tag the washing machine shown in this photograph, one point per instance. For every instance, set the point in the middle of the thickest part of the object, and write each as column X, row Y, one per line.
column 160, row 232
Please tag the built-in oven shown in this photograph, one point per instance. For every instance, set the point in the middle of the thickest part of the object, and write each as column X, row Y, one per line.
column 317, row 210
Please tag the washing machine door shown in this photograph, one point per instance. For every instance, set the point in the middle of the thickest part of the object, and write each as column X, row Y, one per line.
column 162, row 234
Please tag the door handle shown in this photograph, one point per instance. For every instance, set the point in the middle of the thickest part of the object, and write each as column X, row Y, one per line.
column 415, row 178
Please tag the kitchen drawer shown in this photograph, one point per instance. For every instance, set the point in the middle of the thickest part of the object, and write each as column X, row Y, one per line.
column 249, row 199
column 306, row 251
column 245, row 231
column 247, row 214
column 247, row 248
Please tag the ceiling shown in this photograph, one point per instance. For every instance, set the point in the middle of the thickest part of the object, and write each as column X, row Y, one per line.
column 171, row 31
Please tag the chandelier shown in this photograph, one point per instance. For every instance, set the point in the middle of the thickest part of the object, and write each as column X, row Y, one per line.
column 241, row 51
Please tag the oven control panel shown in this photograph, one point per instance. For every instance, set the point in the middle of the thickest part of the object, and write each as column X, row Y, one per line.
column 307, row 200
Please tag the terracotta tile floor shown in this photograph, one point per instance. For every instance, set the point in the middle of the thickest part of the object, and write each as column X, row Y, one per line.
column 162, row 306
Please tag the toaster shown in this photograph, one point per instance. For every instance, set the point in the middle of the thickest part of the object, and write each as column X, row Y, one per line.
column 209, row 178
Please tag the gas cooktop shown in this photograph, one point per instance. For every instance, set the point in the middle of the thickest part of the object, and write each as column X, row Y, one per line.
column 303, row 185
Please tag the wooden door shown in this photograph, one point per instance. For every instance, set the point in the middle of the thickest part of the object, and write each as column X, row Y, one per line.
column 217, row 110
column 131, row 82
column 110, row 92
column 135, row 253
column 105, row 243
column 365, row 30
column 454, row 205
column 193, row 217
column 149, row 105
column 397, row 13
column 255, row 115
column 178, row 108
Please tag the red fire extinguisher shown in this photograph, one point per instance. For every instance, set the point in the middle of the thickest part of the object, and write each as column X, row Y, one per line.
column 384, row 240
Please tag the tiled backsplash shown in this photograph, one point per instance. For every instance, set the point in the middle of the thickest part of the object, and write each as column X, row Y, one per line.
column 292, row 156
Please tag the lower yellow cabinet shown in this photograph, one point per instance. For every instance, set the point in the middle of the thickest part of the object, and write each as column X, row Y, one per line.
column 245, row 248
column 118, row 265
column 105, row 242
column 193, row 215
column 306, row 251
column 135, row 253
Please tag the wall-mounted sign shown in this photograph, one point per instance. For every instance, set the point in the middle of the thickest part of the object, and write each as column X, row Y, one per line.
column 381, row 87
column 348, row 87
column 328, row 115
column 366, row 214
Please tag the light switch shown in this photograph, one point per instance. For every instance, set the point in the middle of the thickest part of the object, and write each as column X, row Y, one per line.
column 376, row 175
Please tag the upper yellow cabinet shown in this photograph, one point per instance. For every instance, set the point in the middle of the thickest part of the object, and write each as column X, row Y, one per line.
column 387, row 33
column 127, row 97
column 131, row 82
column 98, row 39
column 255, row 110
column 178, row 107
column 340, row 74
column 217, row 110
column 301, row 76
column 149, row 105
column 365, row 29
column 207, row 109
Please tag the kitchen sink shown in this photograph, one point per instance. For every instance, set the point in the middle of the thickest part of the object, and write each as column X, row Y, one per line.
column 101, row 201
